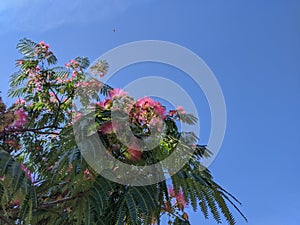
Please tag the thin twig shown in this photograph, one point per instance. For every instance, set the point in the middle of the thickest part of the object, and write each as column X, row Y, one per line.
column 81, row 194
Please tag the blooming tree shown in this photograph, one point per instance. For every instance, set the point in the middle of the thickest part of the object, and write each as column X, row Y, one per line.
column 44, row 179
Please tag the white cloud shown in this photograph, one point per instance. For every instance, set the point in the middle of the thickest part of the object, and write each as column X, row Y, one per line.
column 41, row 15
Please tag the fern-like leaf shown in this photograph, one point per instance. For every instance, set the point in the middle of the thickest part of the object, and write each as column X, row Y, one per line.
column 26, row 47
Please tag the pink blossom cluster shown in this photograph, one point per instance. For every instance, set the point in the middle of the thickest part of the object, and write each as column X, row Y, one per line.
column 180, row 201
column 99, row 68
column 117, row 93
column 75, row 73
column 92, row 85
column 72, row 64
column 110, row 127
column 106, row 104
column 12, row 143
column 34, row 78
column 117, row 100
column 147, row 111
column 37, row 79
column 42, row 49
column 15, row 202
column 144, row 113
column 177, row 112
column 20, row 62
column 20, row 118
column 44, row 45
column 134, row 153
column 20, row 101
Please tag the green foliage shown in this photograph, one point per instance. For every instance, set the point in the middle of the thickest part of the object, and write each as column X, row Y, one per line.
column 44, row 179
column 26, row 47
column 15, row 190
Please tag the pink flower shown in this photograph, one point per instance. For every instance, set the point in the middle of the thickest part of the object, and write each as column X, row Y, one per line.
column 110, row 127
column 10, row 142
column 100, row 104
column 145, row 102
column 160, row 110
column 180, row 109
column 167, row 207
column 2, row 178
column 77, row 117
column 82, row 84
column 87, row 172
column 134, row 154
column 94, row 84
column 171, row 192
column 172, row 112
column 74, row 73
column 180, row 200
column 73, row 64
column 43, row 44
column 20, row 101
column 106, row 104
column 59, row 80
column 16, row 202
column 20, row 118
column 25, row 169
column 116, row 92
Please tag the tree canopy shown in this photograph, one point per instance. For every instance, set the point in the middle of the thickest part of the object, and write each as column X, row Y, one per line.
column 44, row 178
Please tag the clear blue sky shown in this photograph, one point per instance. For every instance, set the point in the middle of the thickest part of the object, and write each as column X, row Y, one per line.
column 253, row 48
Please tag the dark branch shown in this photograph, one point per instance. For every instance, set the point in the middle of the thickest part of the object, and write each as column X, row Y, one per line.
column 5, row 220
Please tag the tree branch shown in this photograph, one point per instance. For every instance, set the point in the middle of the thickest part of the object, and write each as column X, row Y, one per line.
column 5, row 220
column 35, row 130
column 48, row 204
